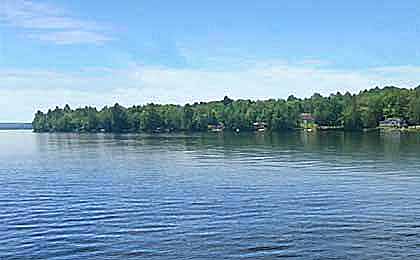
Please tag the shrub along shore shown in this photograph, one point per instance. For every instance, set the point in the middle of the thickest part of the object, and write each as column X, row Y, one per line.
column 348, row 112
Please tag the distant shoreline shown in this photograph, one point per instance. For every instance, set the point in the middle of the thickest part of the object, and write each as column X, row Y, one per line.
column 389, row 108
column 256, row 133
column 16, row 126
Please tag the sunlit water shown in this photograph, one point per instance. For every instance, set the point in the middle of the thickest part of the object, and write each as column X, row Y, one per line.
column 307, row 196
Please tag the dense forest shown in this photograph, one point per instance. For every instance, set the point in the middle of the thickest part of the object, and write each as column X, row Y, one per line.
column 350, row 112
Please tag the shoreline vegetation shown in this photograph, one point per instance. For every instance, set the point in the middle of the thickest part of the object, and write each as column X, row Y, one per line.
column 388, row 108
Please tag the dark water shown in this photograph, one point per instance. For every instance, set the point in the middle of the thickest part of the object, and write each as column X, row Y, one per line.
column 304, row 196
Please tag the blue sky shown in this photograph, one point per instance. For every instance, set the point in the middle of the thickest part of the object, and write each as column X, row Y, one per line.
column 134, row 52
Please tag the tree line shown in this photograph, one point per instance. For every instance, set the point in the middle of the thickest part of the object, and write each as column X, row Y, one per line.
column 351, row 112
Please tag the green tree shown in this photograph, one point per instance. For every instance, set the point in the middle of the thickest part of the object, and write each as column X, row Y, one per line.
column 352, row 117
column 414, row 110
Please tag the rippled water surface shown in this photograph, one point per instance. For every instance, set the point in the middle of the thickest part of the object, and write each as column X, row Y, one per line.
column 297, row 195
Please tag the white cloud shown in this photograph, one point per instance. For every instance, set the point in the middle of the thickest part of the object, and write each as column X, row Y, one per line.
column 49, row 23
column 22, row 92
column 71, row 37
column 314, row 62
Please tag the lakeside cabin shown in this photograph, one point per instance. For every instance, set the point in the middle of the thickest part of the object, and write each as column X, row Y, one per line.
column 216, row 128
column 259, row 126
column 393, row 122
column 308, row 121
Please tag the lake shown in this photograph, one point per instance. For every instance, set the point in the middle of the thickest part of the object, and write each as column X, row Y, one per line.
column 210, row 196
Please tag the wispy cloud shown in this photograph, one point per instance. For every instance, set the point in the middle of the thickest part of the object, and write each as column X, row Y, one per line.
column 50, row 23
column 71, row 37
column 314, row 62
column 42, row 89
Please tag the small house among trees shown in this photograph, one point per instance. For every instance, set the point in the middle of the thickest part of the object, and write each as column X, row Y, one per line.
column 307, row 120
column 259, row 126
column 216, row 127
column 393, row 122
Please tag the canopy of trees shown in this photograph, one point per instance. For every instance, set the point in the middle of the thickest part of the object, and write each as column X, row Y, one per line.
column 352, row 112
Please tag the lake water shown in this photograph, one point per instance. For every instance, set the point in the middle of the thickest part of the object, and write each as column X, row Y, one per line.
column 209, row 196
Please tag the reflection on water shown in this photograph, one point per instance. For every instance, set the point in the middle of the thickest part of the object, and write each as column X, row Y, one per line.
column 210, row 196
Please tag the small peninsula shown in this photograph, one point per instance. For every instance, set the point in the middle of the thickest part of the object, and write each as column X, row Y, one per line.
column 387, row 107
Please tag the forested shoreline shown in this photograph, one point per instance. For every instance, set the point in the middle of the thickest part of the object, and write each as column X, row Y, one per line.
column 350, row 112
